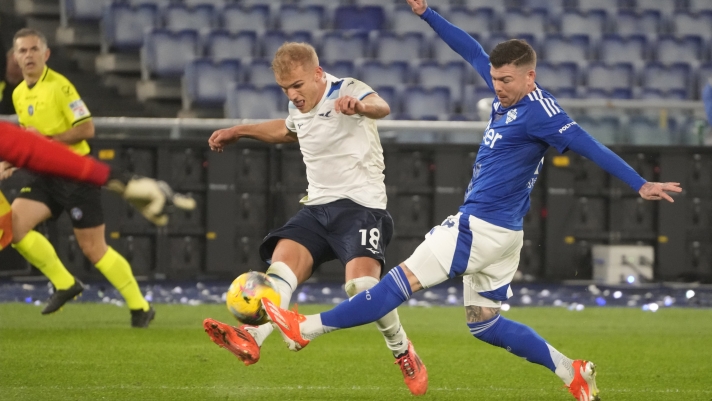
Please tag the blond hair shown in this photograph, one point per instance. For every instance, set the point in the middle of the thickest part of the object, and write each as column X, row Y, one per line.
column 291, row 55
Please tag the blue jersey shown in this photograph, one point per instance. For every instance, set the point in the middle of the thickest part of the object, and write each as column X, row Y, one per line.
column 512, row 149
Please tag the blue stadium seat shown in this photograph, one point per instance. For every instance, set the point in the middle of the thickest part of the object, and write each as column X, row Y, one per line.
column 367, row 18
column 699, row 24
column 337, row 46
column 85, row 10
column 248, row 101
column 427, row 104
column 166, row 53
column 403, row 20
column 574, row 49
column 339, row 69
column 292, row 18
column 631, row 23
column 160, row 4
column 665, row 7
column 442, row 52
column 557, row 78
column 518, row 22
column 496, row 38
column 665, row 78
column 259, row 73
column 553, row 7
column 617, row 49
column 389, row 93
column 481, row 20
column 610, row 76
column 205, row 81
column 178, row 16
column 217, row 4
column 589, row 5
column 124, row 25
column 672, row 50
column 605, row 130
column 592, row 23
column 236, row 18
column 652, row 93
column 221, row 45
column 272, row 40
column 643, row 131
column 699, row 5
column 451, row 75
column 498, row 6
column 403, row 47
column 377, row 73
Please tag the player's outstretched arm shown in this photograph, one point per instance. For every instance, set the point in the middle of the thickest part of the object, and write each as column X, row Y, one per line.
column 274, row 131
column 371, row 106
column 460, row 41
column 659, row 190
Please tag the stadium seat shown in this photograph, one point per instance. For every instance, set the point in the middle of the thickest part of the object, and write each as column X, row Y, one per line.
column 366, row 18
column 217, row 4
column 592, row 23
column 160, row 4
column 389, row 93
column 665, row 78
column 498, row 6
column 671, row 50
column 481, row 20
column 590, row 5
column 704, row 73
column 697, row 6
column 259, row 73
column 451, row 75
column 427, row 104
column 178, row 16
column 394, row 47
column 605, row 130
column 643, row 131
column 271, row 41
column 292, row 18
column 377, row 73
column 631, row 23
column 516, row 23
column 166, row 53
column 221, row 45
column 559, row 49
column 665, row 7
column 337, row 46
column 442, row 52
column 496, row 38
column 403, row 20
column 610, row 76
column 123, row 25
column 236, row 18
column 617, row 49
column 205, row 81
column 557, row 78
column 247, row 101
column 553, row 7
column 699, row 24
column 84, row 10
column 339, row 69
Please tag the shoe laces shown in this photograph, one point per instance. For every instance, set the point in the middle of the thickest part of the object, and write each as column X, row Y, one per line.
column 406, row 364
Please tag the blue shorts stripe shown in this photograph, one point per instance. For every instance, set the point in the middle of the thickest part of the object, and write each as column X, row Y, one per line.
column 463, row 247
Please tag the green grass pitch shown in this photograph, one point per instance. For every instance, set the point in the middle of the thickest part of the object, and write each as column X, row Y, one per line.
column 89, row 352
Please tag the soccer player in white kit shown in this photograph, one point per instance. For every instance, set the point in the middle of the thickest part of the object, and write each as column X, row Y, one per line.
column 344, row 216
column 483, row 240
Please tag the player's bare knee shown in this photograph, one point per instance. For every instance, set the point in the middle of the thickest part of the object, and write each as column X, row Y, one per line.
column 20, row 227
column 477, row 314
column 93, row 248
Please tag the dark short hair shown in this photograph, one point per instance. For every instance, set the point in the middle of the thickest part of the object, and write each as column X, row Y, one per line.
column 514, row 51
column 24, row 32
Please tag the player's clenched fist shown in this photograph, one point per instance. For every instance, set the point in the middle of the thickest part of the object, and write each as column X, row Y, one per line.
column 418, row 6
column 349, row 106
column 221, row 138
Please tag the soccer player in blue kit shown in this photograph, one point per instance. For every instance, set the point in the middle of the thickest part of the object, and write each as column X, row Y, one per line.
column 483, row 240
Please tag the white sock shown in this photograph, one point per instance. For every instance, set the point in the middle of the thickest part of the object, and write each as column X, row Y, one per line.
column 564, row 365
column 286, row 283
column 389, row 325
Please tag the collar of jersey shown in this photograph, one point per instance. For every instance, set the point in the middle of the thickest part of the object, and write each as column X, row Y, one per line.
column 330, row 79
column 501, row 109
column 45, row 71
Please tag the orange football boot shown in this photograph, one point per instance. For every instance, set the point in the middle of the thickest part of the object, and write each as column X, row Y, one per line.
column 234, row 339
column 287, row 322
column 583, row 387
column 415, row 375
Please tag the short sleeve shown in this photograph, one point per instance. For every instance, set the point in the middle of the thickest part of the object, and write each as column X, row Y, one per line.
column 72, row 106
column 289, row 122
column 552, row 126
column 354, row 87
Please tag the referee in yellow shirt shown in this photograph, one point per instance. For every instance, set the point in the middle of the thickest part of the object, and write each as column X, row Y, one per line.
column 48, row 104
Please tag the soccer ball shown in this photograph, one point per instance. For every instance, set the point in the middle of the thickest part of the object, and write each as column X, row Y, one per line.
column 245, row 294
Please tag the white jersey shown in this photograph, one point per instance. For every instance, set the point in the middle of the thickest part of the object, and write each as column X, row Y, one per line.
column 343, row 154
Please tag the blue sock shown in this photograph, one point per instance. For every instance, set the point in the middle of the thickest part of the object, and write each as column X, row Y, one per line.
column 372, row 304
column 514, row 337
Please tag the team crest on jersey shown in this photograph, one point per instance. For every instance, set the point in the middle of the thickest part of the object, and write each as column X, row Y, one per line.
column 76, row 213
column 511, row 116
column 31, row 110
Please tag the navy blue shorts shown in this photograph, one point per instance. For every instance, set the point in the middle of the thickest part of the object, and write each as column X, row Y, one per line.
column 341, row 230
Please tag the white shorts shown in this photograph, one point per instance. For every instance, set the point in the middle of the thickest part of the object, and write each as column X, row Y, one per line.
column 485, row 254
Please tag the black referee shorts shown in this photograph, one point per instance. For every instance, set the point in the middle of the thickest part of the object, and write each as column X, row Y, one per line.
column 81, row 201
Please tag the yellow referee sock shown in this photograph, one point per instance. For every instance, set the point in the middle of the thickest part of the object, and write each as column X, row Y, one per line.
column 40, row 253
column 118, row 271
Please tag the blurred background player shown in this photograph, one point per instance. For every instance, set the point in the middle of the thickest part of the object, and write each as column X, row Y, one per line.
column 483, row 241
column 48, row 104
column 344, row 216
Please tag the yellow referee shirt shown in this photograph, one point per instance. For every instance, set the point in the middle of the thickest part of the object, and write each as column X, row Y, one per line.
column 52, row 106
